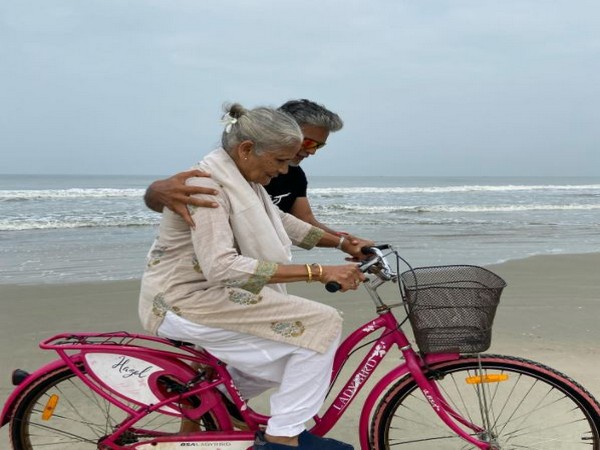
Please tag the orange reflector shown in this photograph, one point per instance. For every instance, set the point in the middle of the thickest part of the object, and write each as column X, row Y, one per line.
column 494, row 378
column 50, row 407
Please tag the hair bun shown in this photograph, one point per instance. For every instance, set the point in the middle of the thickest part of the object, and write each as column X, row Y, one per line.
column 235, row 110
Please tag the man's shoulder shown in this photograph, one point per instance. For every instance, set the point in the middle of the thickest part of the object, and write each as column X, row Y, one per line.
column 296, row 169
column 294, row 172
column 206, row 182
column 294, row 176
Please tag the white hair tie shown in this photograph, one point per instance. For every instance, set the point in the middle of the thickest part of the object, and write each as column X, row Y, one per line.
column 228, row 120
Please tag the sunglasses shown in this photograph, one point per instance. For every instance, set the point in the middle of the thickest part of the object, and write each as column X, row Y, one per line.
column 311, row 144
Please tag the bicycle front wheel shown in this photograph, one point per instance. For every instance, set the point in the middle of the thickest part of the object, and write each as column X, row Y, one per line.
column 59, row 412
column 517, row 404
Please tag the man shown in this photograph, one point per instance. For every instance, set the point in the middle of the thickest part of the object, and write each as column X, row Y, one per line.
column 288, row 191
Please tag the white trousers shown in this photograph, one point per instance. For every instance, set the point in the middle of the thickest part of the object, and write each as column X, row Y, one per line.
column 301, row 376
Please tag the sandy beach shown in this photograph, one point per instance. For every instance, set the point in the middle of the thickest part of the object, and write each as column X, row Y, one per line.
column 549, row 313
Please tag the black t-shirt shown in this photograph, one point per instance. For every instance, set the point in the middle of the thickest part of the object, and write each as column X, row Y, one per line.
column 285, row 189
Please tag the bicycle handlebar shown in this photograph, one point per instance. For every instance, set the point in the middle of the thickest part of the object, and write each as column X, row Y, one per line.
column 333, row 286
column 385, row 272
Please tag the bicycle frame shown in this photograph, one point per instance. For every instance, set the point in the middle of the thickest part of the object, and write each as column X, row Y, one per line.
column 75, row 350
column 392, row 335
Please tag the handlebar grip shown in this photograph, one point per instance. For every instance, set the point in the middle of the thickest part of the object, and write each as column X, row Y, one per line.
column 333, row 286
column 369, row 250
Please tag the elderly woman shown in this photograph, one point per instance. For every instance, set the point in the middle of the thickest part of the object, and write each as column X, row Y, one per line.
column 221, row 284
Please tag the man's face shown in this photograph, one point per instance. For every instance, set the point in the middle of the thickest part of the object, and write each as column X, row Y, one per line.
column 314, row 139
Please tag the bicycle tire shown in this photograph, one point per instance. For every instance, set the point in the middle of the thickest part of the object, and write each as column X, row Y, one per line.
column 81, row 419
column 535, row 407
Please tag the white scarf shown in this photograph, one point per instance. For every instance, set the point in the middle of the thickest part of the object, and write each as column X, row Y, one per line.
column 255, row 220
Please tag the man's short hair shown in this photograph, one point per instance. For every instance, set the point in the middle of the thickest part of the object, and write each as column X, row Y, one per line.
column 306, row 112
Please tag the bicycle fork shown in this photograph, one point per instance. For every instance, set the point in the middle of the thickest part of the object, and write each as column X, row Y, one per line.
column 485, row 439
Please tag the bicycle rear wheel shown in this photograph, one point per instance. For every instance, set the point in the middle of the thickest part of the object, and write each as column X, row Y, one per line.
column 519, row 404
column 81, row 417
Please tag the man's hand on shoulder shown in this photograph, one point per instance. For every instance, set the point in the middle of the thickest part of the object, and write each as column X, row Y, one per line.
column 175, row 194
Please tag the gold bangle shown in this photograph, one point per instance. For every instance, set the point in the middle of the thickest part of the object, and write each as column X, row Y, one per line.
column 309, row 273
column 320, row 271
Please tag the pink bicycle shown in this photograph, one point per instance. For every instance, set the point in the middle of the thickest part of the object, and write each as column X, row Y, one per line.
column 126, row 391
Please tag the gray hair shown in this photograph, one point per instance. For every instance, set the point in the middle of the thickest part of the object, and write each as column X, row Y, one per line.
column 310, row 113
column 269, row 129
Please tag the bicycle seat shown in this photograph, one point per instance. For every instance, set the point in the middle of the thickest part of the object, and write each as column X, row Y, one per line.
column 177, row 343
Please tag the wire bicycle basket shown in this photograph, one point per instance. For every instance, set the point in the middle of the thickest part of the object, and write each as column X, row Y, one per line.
column 452, row 308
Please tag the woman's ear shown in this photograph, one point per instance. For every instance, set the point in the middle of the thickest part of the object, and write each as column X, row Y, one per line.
column 245, row 148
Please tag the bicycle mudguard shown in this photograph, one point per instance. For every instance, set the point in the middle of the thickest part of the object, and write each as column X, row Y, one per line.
column 385, row 383
column 146, row 379
column 11, row 402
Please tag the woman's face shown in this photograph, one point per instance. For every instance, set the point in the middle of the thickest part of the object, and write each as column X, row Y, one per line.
column 266, row 166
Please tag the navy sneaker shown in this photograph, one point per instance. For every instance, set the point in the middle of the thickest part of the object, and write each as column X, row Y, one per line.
column 306, row 441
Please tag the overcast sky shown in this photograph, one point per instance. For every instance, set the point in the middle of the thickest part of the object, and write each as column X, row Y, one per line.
column 449, row 87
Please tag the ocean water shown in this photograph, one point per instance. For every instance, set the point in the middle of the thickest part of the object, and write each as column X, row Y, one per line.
column 57, row 229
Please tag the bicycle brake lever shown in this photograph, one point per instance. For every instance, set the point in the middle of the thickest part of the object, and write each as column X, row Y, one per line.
column 376, row 250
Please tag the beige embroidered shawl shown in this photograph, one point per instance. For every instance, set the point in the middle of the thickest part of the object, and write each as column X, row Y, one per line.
column 254, row 218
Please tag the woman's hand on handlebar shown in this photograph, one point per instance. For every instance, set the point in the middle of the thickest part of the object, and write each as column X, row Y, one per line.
column 348, row 276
